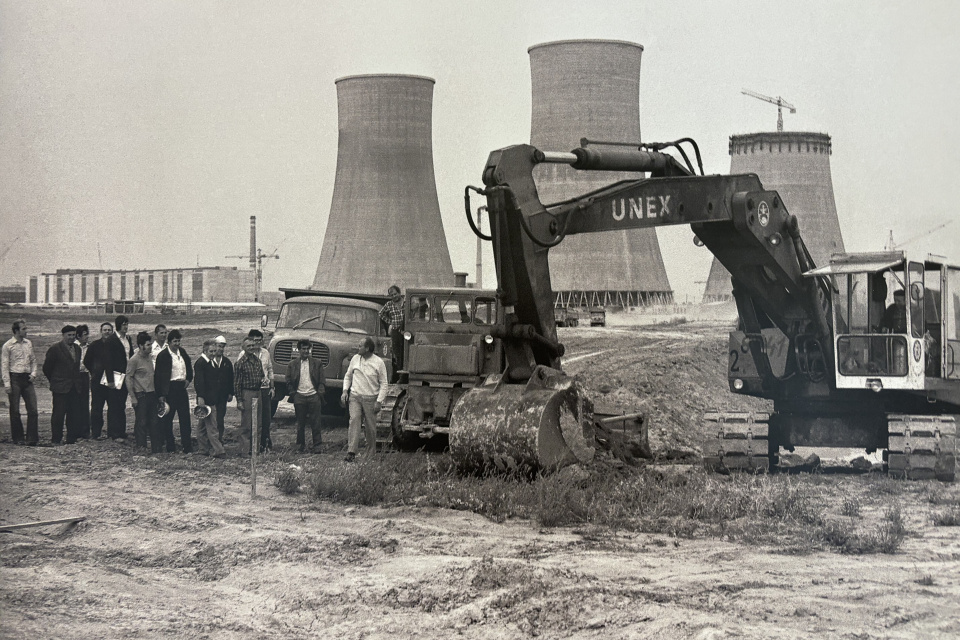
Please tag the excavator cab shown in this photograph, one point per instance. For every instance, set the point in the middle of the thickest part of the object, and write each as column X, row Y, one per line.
column 896, row 321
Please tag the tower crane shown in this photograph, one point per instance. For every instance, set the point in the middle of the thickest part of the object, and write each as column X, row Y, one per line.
column 891, row 245
column 258, row 276
column 780, row 102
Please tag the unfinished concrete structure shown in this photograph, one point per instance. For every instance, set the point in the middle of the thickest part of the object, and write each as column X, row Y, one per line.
column 384, row 226
column 796, row 164
column 591, row 89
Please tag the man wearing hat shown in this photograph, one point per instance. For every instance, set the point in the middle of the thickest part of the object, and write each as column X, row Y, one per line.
column 207, row 383
column 62, row 368
column 143, row 396
column 223, row 363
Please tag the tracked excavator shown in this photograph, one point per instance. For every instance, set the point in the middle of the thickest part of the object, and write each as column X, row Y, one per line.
column 845, row 363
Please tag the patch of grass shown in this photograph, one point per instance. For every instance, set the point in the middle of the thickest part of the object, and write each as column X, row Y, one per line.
column 926, row 581
column 288, row 480
column 786, row 512
column 850, row 507
column 948, row 518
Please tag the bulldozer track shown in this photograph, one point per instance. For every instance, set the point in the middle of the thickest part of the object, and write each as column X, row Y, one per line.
column 385, row 417
column 736, row 440
column 922, row 447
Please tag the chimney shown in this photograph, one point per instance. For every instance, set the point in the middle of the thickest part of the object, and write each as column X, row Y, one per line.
column 797, row 165
column 253, row 242
column 591, row 89
column 384, row 226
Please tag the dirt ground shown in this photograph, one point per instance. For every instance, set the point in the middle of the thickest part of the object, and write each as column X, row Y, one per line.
column 174, row 546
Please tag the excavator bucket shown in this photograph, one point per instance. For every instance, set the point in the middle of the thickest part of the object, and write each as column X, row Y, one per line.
column 542, row 425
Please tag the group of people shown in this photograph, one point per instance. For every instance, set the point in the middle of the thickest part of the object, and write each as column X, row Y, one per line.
column 154, row 373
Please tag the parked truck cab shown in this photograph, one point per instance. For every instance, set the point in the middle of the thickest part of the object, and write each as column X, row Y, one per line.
column 334, row 323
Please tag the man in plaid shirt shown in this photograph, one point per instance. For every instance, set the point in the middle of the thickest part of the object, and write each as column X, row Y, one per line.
column 247, row 382
column 392, row 316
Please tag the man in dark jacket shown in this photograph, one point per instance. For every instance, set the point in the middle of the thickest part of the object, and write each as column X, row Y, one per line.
column 105, row 359
column 62, row 368
column 307, row 385
column 208, row 384
column 172, row 376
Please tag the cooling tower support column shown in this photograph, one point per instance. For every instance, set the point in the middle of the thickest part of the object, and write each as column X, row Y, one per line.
column 591, row 89
column 797, row 165
column 384, row 226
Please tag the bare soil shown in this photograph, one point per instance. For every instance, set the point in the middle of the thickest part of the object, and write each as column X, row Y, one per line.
column 174, row 545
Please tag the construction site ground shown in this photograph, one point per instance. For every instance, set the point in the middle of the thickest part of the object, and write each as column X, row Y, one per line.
column 174, row 546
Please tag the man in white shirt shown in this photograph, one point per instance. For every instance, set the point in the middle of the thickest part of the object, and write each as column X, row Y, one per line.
column 172, row 375
column 267, row 390
column 305, row 377
column 159, row 342
column 365, row 386
column 19, row 370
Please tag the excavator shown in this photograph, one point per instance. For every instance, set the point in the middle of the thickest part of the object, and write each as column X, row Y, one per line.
column 842, row 367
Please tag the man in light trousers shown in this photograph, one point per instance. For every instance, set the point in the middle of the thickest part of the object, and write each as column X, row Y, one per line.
column 365, row 385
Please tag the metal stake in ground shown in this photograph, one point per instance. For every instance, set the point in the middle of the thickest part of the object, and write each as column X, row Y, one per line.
column 254, row 444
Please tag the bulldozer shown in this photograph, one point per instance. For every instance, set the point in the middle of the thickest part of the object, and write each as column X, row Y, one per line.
column 845, row 363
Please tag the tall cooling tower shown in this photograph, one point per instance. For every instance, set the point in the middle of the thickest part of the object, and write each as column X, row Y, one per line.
column 384, row 226
column 591, row 89
column 797, row 165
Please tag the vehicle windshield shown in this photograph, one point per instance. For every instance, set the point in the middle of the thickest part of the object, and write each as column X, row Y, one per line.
column 457, row 309
column 330, row 317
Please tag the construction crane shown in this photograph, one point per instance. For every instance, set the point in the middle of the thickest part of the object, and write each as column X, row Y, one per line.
column 891, row 245
column 258, row 276
column 780, row 102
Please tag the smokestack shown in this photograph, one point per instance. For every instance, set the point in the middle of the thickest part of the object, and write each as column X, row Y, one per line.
column 591, row 89
column 797, row 165
column 253, row 242
column 384, row 226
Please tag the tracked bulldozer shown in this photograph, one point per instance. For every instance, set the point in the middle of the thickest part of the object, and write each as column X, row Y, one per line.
column 842, row 366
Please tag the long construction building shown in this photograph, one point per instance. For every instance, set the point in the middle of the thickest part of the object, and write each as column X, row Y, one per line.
column 158, row 286
column 591, row 89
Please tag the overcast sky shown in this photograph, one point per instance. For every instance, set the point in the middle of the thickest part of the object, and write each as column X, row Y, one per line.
column 157, row 128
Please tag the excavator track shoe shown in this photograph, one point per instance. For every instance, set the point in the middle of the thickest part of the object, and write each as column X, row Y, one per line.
column 736, row 441
column 922, row 447
column 385, row 419
column 541, row 426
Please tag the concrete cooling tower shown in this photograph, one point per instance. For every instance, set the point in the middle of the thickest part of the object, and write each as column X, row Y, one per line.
column 384, row 226
column 591, row 89
column 797, row 165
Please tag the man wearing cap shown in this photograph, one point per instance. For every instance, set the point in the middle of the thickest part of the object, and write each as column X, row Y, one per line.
column 62, row 368
column 248, row 381
column 223, row 363
column 207, row 384
column 143, row 396
column 391, row 315
column 305, row 377
column 172, row 374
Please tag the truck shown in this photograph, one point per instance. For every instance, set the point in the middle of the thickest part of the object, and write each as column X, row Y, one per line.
column 566, row 316
column 334, row 322
column 812, row 339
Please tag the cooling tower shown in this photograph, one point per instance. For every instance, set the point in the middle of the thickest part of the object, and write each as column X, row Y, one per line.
column 591, row 89
column 797, row 165
column 384, row 226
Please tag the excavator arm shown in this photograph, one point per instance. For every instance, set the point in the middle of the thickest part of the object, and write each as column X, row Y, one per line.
column 745, row 226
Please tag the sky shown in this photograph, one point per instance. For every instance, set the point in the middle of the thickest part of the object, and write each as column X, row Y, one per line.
column 144, row 134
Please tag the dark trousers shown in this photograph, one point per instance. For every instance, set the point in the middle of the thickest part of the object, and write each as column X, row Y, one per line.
column 21, row 387
column 116, row 401
column 396, row 345
column 65, row 407
column 308, row 415
column 147, row 426
column 221, row 412
column 179, row 403
column 266, row 413
column 79, row 420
